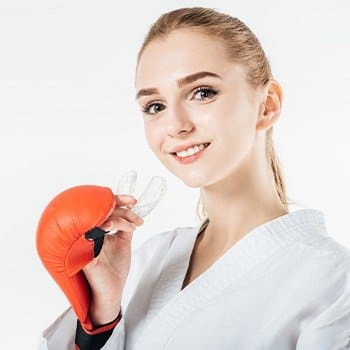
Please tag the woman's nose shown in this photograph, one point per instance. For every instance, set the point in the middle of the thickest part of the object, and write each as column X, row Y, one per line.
column 178, row 120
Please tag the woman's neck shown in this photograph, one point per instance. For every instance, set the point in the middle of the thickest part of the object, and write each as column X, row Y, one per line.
column 219, row 238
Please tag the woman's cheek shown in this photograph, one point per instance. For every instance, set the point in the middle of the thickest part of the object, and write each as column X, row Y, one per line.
column 154, row 143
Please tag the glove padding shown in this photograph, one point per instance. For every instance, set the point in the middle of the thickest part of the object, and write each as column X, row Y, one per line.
column 68, row 238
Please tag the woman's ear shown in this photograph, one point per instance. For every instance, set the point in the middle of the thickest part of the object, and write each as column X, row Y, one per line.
column 270, row 107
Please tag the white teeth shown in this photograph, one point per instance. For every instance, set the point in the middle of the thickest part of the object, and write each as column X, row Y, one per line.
column 192, row 150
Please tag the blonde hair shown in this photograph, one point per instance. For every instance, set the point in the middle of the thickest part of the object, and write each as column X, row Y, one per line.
column 241, row 46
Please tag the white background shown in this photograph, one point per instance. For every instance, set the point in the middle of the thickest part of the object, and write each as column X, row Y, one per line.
column 68, row 117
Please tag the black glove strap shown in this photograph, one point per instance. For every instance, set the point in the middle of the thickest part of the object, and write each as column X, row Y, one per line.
column 97, row 235
column 90, row 342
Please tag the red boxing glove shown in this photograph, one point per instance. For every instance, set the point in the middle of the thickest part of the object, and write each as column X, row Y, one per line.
column 68, row 238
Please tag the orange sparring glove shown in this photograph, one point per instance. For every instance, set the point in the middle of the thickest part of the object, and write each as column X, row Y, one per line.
column 68, row 238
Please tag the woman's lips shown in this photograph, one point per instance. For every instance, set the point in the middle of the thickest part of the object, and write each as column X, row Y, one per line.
column 191, row 158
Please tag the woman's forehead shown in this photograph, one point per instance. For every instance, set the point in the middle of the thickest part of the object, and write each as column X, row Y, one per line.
column 179, row 54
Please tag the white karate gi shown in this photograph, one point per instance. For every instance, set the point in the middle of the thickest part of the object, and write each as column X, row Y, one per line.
column 285, row 285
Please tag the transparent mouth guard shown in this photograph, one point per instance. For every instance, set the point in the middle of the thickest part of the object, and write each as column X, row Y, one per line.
column 149, row 198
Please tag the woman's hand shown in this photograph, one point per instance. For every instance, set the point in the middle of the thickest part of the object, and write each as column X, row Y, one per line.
column 107, row 272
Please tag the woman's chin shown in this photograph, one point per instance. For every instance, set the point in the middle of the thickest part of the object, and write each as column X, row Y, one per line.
column 193, row 179
column 193, row 185
column 194, row 182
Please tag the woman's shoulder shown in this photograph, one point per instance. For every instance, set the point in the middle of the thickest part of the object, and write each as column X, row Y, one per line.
column 316, row 240
column 324, row 264
column 327, row 248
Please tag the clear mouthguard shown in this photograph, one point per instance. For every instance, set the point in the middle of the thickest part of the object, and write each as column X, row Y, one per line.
column 149, row 198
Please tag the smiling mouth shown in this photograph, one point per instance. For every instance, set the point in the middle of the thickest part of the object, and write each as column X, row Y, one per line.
column 206, row 145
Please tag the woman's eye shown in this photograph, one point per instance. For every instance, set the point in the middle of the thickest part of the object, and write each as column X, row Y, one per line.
column 148, row 107
column 205, row 92
column 155, row 108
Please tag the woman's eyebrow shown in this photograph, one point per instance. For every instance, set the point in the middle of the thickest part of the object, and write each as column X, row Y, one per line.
column 180, row 83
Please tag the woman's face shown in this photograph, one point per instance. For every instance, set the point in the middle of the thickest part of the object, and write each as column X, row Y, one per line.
column 220, row 109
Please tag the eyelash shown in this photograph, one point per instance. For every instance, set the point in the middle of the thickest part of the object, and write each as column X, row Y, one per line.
column 146, row 108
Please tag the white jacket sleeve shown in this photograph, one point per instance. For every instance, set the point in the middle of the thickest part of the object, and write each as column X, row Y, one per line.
column 61, row 334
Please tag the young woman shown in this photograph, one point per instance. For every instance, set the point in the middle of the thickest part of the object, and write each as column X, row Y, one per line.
column 254, row 274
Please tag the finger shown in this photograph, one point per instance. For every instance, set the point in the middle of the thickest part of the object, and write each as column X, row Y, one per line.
column 120, row 223
column 125, row 213
column 128, row 214
column 124, row 199
column 119, row 233
column 112, row 224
